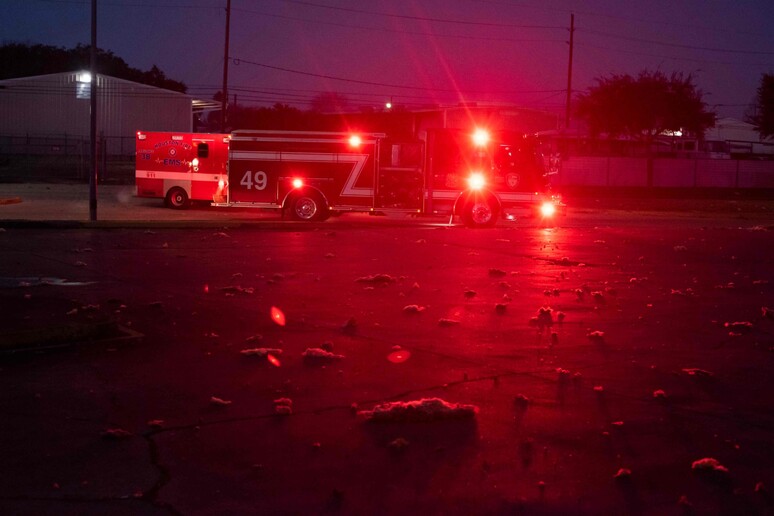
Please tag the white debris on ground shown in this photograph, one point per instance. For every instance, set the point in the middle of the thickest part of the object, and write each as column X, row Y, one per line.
column 692, row 371
column 543, row 319
column 413, row 309
column 710, row 469
column 283, row 406
column 236, row 289
column 424, row 410
column 219, row 402
column 739, row 327
column 398, row 444
column 260, row 352
column 320, row 355
column 376, row 279
column 116, row 434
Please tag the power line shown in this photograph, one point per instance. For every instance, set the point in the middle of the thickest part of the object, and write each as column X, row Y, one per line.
column 671, row 57
column 639, row 20
column 154, row 5
column 238, row 61
column 421, row 18
column 676, row 45
column 396, row 31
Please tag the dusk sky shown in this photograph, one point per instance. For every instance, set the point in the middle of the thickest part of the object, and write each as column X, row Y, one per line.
column 418, row 52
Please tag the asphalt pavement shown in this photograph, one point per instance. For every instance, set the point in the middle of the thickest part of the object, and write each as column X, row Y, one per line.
column 162, row 362
column 60, row 205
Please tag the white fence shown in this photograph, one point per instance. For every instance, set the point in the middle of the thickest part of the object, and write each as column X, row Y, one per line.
column 665, row 172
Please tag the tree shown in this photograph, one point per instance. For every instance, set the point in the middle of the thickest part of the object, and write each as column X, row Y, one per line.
column 18, row 60
column 329, row 102
column 645, row 106
column 762, row 116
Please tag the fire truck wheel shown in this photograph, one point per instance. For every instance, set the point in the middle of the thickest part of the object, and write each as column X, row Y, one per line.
column 308, row 206
column 177, row 199
column 480, row 213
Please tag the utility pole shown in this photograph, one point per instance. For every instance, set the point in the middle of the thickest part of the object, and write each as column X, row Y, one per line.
column 93, row 114
column 224, row 98
column 569, row 75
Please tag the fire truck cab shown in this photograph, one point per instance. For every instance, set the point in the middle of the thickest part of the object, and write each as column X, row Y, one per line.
column 181, row 167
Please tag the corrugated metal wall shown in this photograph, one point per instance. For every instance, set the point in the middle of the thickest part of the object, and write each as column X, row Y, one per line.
column 58, row 104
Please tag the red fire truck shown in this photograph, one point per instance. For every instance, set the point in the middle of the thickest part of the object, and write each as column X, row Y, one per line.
column 312, row 175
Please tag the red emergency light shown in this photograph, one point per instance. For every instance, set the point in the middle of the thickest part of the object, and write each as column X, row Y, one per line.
column 480, row 137
column 476, row 181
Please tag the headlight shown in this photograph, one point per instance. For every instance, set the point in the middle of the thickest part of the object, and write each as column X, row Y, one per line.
column 547, row 209
column 476, row 181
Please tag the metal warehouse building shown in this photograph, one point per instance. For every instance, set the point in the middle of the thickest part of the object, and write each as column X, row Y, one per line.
column 53, row 110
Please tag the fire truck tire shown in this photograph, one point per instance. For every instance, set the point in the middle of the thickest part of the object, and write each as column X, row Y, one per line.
column 308, row 206
column 481, row 212
column 177, row 199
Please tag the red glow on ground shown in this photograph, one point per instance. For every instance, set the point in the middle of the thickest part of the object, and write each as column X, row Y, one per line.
column 273, row 360
column 400, row 356
column 206, row 289
column 277, row 316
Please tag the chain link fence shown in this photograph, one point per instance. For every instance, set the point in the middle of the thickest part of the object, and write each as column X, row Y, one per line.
column 65, row 158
